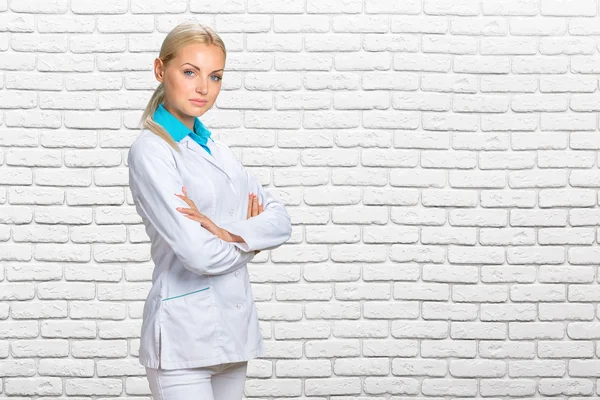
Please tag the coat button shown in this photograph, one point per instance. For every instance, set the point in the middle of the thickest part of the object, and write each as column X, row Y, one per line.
column 238, row 306
column 231, row 211
column 237, row 274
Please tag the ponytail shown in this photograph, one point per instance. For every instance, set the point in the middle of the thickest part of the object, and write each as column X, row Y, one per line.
column 147, row 122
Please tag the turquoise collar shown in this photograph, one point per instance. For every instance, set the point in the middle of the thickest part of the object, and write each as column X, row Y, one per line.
column 177, row 129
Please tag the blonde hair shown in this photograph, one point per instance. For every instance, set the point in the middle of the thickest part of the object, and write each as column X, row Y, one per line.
column 183, row 34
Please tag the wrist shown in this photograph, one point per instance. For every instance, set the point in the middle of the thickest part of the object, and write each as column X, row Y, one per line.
column 235, row 238
column 224, row 235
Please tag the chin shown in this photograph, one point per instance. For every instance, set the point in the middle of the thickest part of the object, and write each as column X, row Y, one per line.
column 194, row 111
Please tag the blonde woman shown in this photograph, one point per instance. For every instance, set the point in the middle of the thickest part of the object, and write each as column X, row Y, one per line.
column 206, row 217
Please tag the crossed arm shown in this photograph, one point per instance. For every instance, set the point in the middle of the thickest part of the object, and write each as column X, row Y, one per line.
column 154, row 182
column 192, row 212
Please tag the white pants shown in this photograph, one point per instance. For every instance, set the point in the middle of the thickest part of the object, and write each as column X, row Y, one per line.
column 215, row 382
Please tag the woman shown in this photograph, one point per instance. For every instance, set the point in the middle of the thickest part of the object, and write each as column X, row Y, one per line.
column 206, row 217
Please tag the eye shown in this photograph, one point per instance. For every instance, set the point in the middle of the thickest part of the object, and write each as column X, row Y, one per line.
column 218, row 78
column 188, row 70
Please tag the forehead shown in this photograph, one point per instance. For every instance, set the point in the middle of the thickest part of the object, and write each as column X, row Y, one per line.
column 203, row 56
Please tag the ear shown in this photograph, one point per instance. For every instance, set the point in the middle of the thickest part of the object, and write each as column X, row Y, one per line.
column 159, row 69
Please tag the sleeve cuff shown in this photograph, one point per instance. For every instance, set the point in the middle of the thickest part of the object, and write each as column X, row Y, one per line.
column 238, row 228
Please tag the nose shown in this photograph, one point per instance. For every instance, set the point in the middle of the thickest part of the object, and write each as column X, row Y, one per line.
column 202, row 86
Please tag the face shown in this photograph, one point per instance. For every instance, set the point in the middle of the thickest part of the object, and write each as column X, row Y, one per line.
column 194, row 74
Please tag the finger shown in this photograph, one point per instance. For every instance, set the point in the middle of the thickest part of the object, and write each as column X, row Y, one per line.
column 195, row 219
column 184, row 190
column 184, row 198
column 255, row 207
column 260, row 209
column 189, row 211
column 187, row 200
column 249, row 206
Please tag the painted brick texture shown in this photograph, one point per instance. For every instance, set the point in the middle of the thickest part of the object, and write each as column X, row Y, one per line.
column 438, row 158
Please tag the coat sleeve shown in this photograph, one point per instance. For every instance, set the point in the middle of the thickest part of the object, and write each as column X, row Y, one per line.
column 269, row 229
column 154, row 181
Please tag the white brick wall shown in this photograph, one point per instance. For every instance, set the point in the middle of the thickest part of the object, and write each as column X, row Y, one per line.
column 439, row 159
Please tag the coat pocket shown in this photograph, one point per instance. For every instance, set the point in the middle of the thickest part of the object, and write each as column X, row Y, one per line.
column 188, row 327
column 185, row 294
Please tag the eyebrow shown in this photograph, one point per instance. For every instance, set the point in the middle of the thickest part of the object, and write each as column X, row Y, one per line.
column 216, row 70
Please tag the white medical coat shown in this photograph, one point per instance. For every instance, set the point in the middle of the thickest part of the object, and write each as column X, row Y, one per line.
column 200, row 310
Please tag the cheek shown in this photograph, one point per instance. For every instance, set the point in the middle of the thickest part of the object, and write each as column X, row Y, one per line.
column 210, row 103
column 185, row 86
column 217, row 89
column 179, row 84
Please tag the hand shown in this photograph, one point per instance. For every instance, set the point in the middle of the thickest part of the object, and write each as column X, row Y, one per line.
column 194, row 214
column 254, row 209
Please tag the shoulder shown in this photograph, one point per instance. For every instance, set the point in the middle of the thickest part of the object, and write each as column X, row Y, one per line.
column 149, row 141
column 148, row 145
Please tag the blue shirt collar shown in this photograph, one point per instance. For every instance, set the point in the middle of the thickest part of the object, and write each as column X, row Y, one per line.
column 177, row 129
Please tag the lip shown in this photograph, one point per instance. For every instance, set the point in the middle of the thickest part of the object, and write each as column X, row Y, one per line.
column 199, row 102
